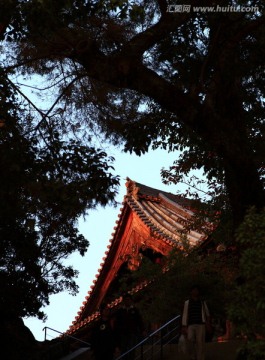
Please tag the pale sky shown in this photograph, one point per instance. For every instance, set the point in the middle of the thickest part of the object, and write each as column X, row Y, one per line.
column 98, row 228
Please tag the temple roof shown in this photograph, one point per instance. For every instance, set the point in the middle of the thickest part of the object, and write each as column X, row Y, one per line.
column 164, row 214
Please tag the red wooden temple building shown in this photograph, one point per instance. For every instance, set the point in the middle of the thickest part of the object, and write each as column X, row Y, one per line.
column 150, row 224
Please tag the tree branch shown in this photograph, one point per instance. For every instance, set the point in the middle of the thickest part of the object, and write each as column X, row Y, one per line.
column 151, row 36
column 162, row 6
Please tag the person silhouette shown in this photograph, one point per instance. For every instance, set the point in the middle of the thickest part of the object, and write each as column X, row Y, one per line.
column 195, row 315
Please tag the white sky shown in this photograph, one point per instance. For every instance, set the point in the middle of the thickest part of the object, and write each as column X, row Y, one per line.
column 98, row 228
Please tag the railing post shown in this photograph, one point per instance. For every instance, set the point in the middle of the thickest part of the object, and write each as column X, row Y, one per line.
column 65, row 336
column 156, row 338
column 152, row 346
column 45, row 333
column 161, row 344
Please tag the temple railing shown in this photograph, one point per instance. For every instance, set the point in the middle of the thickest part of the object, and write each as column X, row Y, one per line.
column 64, row 335
column 60, row 346
column 153, row 345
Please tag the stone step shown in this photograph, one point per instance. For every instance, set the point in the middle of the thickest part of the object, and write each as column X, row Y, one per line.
column 214, row 351
column 80, row 354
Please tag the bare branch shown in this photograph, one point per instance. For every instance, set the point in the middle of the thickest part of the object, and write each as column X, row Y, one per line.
column 25, row 97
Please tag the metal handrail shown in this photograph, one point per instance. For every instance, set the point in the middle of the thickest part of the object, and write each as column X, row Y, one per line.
column 64, row 334
column 151, row 336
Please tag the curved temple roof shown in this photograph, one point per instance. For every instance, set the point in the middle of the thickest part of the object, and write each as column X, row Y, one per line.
column 163, row 213
column 166, row 214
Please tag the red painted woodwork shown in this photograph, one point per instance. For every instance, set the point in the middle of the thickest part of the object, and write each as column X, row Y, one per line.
column 150, row 220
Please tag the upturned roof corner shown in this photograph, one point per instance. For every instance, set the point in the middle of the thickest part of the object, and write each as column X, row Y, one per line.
column 151, row 223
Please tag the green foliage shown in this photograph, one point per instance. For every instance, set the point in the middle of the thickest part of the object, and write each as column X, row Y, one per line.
column 145, row 77
column 47, row 182
column 142, row 77
column 171, row 282
column 248, row 307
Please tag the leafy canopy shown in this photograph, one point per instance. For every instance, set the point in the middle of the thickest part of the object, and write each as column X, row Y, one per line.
column 143, row 76
column 248, row 307
column 146, row 76
column 47, row 182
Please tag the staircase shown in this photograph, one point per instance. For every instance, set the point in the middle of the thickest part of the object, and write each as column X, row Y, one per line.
column 161, row 345
column 80, row 354
column 214, row 351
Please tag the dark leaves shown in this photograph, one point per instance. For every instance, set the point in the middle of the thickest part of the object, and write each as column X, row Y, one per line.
column 46, row 184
